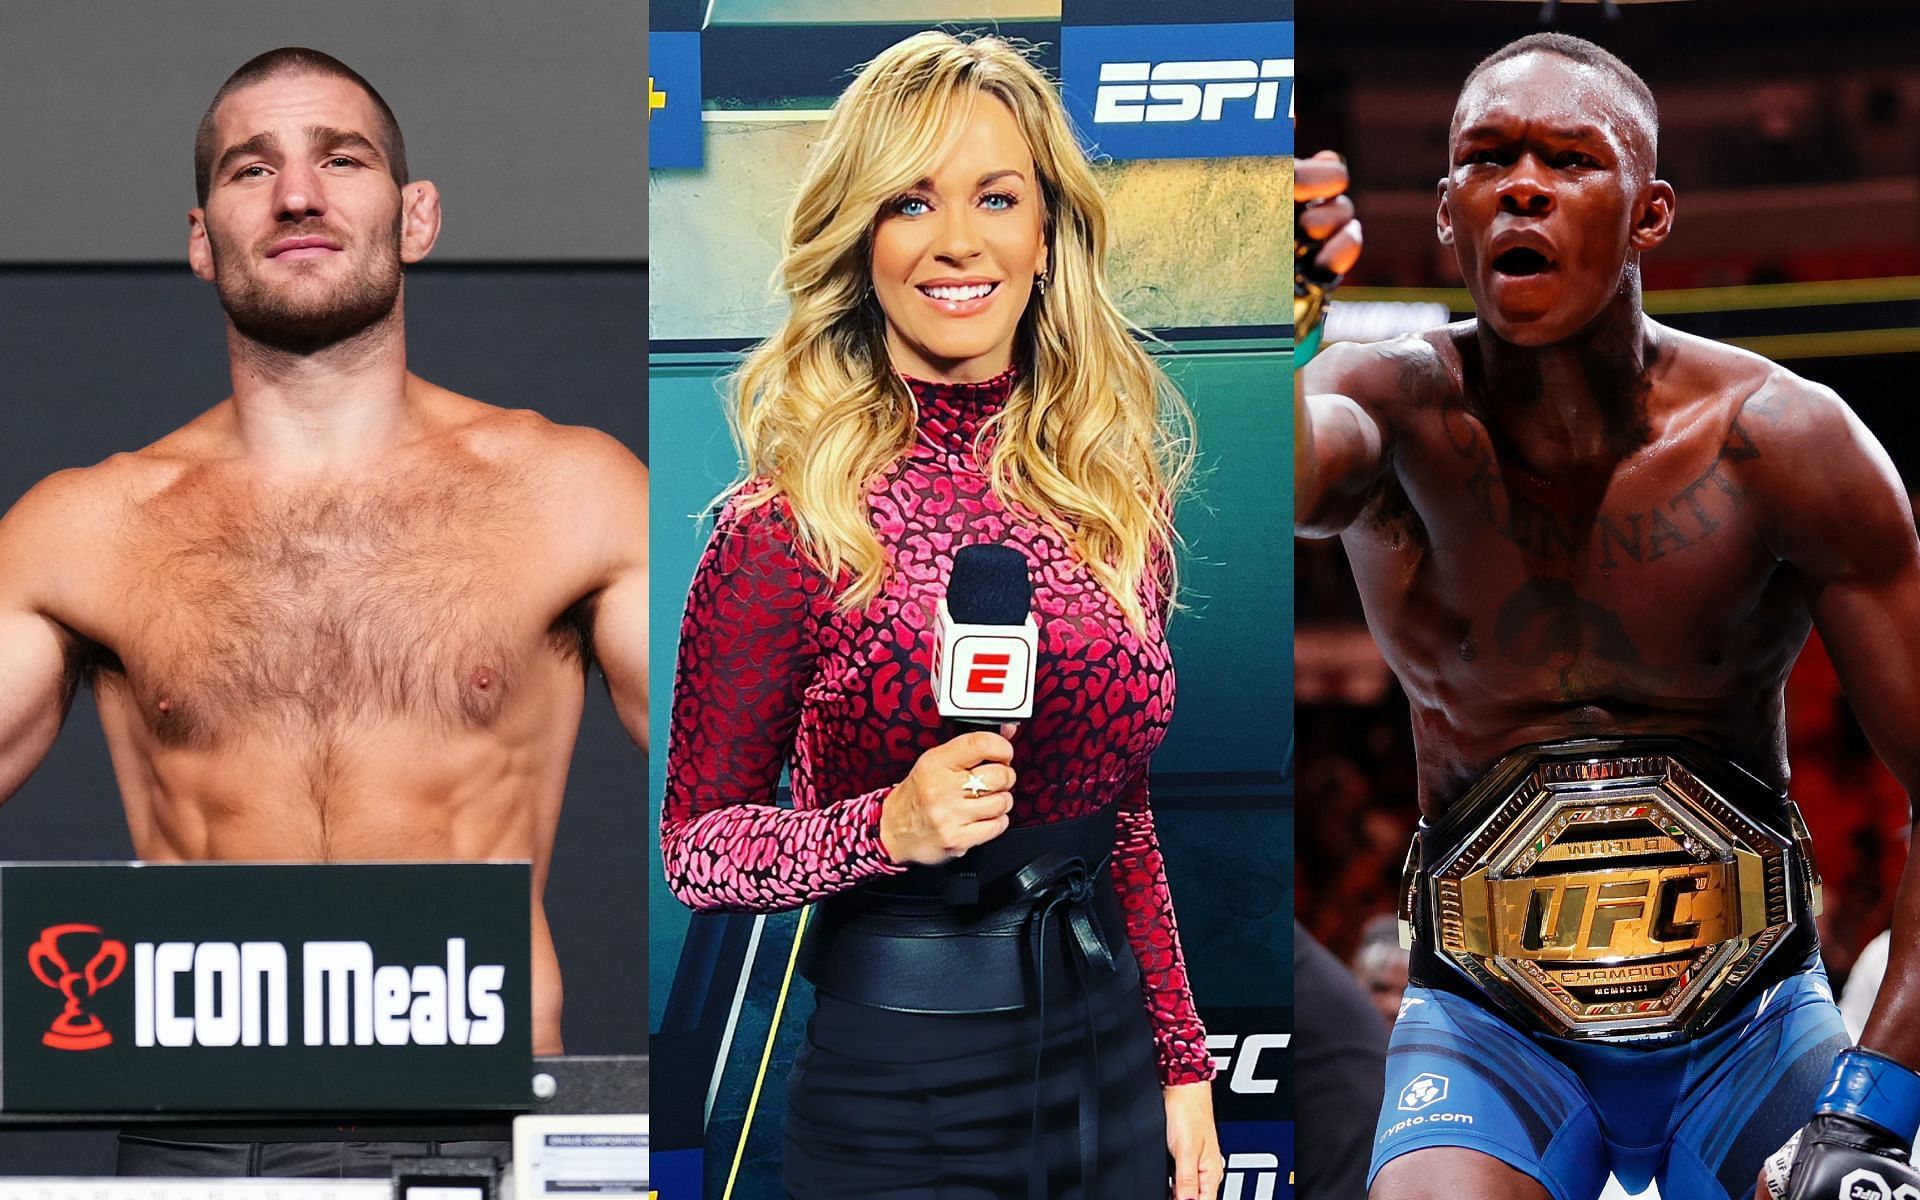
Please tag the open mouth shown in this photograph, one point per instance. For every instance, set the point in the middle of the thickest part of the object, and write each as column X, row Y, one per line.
column 1522, row 261
column 958, row 293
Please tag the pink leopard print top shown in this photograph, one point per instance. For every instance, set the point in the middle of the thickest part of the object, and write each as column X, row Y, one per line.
column 771, row 670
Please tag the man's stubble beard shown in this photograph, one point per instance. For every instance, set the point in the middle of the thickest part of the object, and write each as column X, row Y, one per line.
column 293, row 322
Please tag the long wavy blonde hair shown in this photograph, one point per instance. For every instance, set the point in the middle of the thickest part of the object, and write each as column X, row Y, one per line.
column 1094, row 439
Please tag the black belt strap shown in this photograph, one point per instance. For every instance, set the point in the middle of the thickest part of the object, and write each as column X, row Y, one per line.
column 1057, row 884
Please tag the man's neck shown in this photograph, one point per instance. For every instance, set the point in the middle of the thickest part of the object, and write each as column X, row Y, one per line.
column 339, row 405
column 1583, row 398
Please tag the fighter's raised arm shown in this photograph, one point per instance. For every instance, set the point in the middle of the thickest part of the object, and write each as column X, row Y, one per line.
column 1339, row 449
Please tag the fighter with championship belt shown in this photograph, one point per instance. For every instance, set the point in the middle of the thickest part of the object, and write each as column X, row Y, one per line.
column 1591, row 547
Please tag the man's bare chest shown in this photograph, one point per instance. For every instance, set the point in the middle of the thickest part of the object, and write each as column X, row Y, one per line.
column 326, row 612
column 1649, row 571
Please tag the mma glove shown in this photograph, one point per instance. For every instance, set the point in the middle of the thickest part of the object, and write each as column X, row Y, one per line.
column 1857, row 1145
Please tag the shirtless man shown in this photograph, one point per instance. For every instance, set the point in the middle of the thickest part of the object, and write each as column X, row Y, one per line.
column 1570, row 522
column 344, row 614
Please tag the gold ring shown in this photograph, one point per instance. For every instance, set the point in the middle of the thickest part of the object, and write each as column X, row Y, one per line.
column 975, row 787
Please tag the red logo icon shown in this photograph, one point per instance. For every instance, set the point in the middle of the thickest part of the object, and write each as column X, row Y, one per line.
column 75, row 1028
column 988, row 674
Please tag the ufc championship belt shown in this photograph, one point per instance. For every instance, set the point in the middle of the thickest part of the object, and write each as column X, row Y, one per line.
column 1613, row 889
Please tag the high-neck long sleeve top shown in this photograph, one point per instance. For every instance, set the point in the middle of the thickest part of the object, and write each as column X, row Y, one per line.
column 773, row 672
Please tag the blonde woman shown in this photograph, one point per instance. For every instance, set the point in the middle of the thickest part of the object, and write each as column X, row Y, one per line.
column 1001, row 1003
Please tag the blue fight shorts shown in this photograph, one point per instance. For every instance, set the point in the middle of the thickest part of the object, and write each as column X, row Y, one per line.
column 1697, row 1116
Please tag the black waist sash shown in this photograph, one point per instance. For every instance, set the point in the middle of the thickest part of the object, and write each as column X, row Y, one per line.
column 990, row 931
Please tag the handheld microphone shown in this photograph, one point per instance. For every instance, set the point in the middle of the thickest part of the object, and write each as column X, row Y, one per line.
column 988, row 640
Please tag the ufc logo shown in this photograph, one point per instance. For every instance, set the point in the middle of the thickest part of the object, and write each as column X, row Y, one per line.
column 988, row 675
column 1565, row 915
column 1241, row 1068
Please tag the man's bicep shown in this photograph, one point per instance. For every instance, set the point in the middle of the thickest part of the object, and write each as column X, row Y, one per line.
column 1340, row 447
column 620, row 643
column 1847, row 529
column 605, row 508
column 57, row 520
column 1872, row 633
column 37, row 680
column 1339, row 455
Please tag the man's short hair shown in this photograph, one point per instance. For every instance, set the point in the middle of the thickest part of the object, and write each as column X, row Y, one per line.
column 295, row 60
column 1577, row 49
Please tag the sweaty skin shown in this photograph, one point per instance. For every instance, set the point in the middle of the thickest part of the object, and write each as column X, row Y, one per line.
column 1566, row 520
column 1535, row 571
column 344, row 615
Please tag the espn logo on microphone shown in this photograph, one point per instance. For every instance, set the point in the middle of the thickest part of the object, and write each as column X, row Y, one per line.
column 986, row 671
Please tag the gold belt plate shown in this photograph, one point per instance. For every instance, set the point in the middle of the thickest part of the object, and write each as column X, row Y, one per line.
column 1607, row 893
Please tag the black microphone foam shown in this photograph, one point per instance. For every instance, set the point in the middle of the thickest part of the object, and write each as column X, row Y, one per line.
column 989, row 586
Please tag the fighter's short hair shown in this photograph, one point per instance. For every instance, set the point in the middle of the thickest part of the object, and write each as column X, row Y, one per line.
column 295, row 60
column 1586, row 53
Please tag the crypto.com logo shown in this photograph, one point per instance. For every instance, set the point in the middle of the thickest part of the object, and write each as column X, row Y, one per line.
column 75, row 1028
column 1426, row 1088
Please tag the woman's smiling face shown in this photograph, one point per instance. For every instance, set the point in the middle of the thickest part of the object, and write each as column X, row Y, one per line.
column 955, row 256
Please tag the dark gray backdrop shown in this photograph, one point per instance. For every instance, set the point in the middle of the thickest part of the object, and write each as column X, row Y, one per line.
column 530, row 117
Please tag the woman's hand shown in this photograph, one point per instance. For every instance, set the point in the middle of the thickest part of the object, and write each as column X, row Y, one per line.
column 932, row 817
column 1197, row 1166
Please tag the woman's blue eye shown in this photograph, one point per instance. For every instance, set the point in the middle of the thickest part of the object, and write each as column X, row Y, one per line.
column 912, row 206
column 999, row 201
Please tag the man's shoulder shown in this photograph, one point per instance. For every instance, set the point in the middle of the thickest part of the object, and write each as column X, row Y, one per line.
column 584, row 477
column 73, row 497
column 1794, row 445
column 584, row 487
column 66, row 527
column 524, row 438
column 1414, row 370
column 1770, row 410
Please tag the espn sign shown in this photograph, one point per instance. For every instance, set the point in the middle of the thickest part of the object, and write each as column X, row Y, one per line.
column 985, row 672
column 1180, row 91
column 1177, row 92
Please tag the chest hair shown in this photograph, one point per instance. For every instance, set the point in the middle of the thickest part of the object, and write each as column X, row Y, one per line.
column 310, row 613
